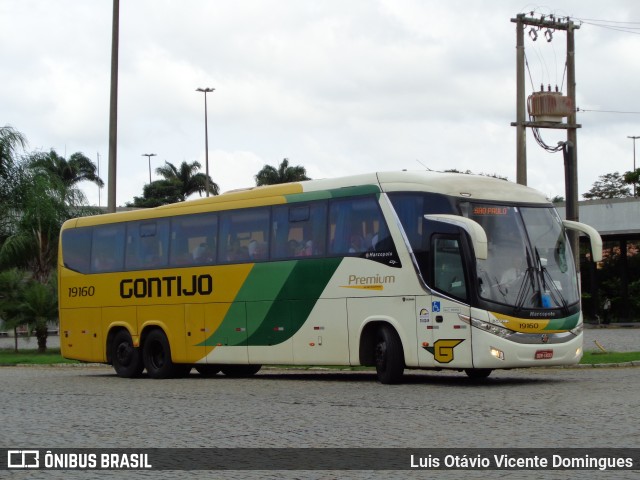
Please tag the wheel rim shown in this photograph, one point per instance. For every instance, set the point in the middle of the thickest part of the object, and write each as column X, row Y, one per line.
column 156, row 355
column 124, row 354
column 381, row 355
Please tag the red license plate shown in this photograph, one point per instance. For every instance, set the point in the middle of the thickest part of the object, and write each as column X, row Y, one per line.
column 544, row 354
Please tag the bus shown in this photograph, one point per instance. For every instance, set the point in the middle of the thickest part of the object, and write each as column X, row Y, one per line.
column 392, row 270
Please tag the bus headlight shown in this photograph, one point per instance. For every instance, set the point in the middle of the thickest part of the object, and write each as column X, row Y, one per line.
column 499, row 354
column 497, row 330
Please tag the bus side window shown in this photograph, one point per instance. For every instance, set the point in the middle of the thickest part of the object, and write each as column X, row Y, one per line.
column 193, row 239
column 244, row 236
column 356, row 226
column 147, row 244
column 448, row 267
column 299, row 230
column 76, row 247
column 107, row 248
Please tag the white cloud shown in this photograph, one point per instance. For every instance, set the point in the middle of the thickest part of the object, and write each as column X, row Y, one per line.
column 339, row 87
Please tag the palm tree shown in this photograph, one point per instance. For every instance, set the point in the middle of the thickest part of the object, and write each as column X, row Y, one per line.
column 269, row 175
column 190, row 179
column 12, row 283
column 40, row 305
column 33, row 228
column 10, row 141
column 77, row 169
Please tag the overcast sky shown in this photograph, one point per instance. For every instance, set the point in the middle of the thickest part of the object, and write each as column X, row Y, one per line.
column 340, row 87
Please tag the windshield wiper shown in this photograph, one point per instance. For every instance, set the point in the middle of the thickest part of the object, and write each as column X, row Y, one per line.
column 525, row 285
column 553, row 290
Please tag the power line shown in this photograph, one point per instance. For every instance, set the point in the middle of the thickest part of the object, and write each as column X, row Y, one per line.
column 606, row 111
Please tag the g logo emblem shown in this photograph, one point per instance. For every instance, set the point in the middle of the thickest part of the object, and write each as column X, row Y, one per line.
column 442, row 350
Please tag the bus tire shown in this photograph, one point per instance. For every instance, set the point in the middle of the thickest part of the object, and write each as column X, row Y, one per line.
column 207, row 370
column 478, row 373
column 389, row 356
column 156, row 354
column 240, row 371
column 125, row 358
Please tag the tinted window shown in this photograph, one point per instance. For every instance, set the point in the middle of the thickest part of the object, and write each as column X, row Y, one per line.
column 448, row 266
column 194, row 239
column 299, row 230
column 244, row 236
column 76, row 248
column 147, row 244
column 356, row 226
column 107, row 248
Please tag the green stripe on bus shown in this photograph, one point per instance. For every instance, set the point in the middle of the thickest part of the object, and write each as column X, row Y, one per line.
column 567, row 323
column 334, row 193
column 276, row 299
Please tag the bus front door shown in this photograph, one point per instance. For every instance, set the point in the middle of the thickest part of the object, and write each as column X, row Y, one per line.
column 444, row 338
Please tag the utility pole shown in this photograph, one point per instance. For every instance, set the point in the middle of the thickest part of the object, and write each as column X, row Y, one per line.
column 634, row 138
column 571, row 174
column 113, row 110
column 521, row 131
column 206, row 136
column 570, row 148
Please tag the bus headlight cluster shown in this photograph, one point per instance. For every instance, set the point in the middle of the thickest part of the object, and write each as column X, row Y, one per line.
column 491, row 328
column 578, row 330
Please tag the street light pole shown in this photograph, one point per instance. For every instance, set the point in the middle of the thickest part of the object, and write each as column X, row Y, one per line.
column 206, row 136
column 634, row 138
column 149, row 155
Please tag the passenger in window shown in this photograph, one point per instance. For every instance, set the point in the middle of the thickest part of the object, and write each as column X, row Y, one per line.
column 357, row 244
column 237, row 253
column 203, row 254
column 306, row 250
column 257, row 250
column 293, row 248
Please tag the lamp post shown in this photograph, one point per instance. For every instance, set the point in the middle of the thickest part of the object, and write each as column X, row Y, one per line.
column 634, row 138
column 206, row 136
column 149, row 155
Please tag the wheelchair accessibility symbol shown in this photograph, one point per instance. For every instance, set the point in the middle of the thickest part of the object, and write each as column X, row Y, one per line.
column 435, row 307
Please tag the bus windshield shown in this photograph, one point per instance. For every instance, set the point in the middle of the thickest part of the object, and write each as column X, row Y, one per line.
column 529, row 262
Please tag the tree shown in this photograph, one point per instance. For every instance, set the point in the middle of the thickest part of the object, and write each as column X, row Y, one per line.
column 270, row 175
column 40, row 305
column 12, row 283
column 10, row 141
column 633, row 178
column 32, row 243
column 609, row 185
column 77, row 169
column 159, row 192
column 36, row 205
column 190, row 180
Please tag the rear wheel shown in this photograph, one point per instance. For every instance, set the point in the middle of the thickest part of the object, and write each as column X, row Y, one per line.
column 156, row 354
column 125, row 358
column 239, row 371
column 207, row 370
column 388, row 355
column 478, row 373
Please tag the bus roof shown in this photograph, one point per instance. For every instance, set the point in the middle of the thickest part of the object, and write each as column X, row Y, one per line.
column 474, row 187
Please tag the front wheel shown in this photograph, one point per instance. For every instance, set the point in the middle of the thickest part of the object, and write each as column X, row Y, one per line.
column 389, row 355
column 125, row 358
column 156, row 354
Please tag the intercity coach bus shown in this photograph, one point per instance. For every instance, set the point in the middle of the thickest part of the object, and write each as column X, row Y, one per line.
column 417, row 270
